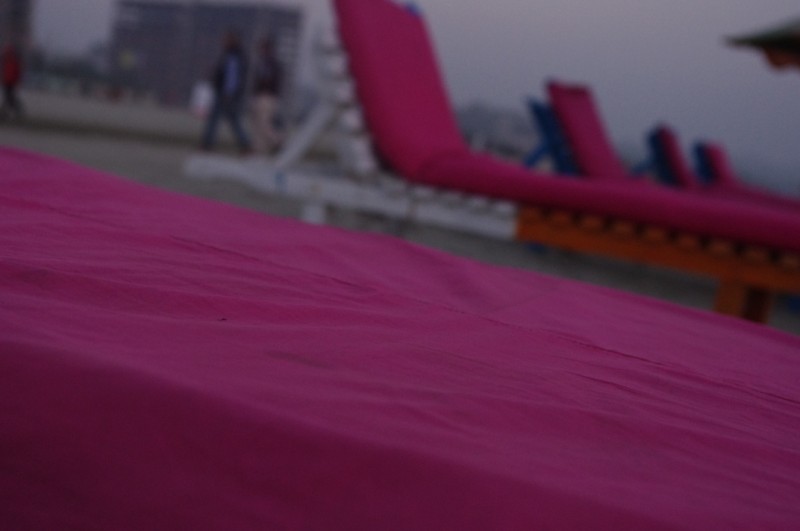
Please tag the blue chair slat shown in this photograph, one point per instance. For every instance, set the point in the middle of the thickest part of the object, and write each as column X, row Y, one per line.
column 553, row 143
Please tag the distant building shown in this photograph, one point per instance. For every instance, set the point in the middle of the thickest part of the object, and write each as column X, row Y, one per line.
column 15, row 21
column 165, row 47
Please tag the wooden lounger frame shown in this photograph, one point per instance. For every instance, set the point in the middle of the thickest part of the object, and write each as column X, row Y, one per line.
column 749, row 276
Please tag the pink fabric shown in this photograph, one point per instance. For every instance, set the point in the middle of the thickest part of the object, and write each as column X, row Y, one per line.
column 679, row 167
column 583, row 128
column 410, row 120
column 742, row 192
column 727, row 184
column 405, row 104
column 172, row 363
column 723, row 173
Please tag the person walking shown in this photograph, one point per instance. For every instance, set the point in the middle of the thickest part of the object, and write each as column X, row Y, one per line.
column 12, row 75
column 266, row 95
column 228, row 81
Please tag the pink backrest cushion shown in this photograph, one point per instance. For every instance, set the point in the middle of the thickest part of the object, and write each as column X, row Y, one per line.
column 678, row 165
column 720, row 166
column 583, row 128
column 725, row 183
column 398, row 83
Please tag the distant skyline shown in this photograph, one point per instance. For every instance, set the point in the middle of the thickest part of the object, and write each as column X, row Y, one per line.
column 647, row 61
column 72, row 26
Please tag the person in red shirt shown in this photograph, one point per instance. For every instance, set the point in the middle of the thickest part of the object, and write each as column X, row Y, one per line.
column 12, row 75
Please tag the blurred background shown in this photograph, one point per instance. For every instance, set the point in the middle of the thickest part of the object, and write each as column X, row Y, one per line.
column 122, row 86
column 648, row 61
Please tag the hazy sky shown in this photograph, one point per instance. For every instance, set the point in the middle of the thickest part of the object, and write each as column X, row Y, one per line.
column 647, row 61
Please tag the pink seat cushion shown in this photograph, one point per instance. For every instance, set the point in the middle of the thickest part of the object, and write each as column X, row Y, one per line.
column 171, row 363
column 405, row 102
column 750, row 194
column 580, row 120
column 642, row 201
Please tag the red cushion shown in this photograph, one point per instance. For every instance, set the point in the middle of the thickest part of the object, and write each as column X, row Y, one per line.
column 580, row 120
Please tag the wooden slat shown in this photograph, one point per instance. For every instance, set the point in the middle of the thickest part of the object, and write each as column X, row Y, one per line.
column 623, row 229
column 592, row 223
column 560, row 218
column 756, row 255
column 721, row 248
column 790, row 262
column 531, row 215
column 653, row 234
column 689, row 242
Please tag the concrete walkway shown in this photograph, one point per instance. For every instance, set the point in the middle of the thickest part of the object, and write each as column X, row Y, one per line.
column 141, row 120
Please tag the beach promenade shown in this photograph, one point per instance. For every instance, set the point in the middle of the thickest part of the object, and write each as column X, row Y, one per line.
column 149, row 144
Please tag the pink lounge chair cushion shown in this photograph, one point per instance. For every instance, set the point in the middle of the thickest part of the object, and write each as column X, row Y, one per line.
column 729, row 187
column 743, row 192
column 172, row 363
column 583, row 127
column 727, row 184
column 720, row 166
column 678, row 165
column 405, row 102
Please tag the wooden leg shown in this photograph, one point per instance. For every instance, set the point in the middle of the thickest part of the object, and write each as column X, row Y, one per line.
column 730, row 298
column 758, row 305
column 735, row 298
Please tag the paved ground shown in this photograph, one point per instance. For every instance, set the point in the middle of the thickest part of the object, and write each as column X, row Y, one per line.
column 150, row 145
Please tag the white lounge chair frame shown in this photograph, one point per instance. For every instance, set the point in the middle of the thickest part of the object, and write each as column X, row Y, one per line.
column 359, row 184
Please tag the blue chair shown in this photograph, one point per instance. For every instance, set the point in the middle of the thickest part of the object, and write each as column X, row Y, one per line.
column 553, row 142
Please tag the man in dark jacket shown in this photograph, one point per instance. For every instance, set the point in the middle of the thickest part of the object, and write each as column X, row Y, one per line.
column 229, row 79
